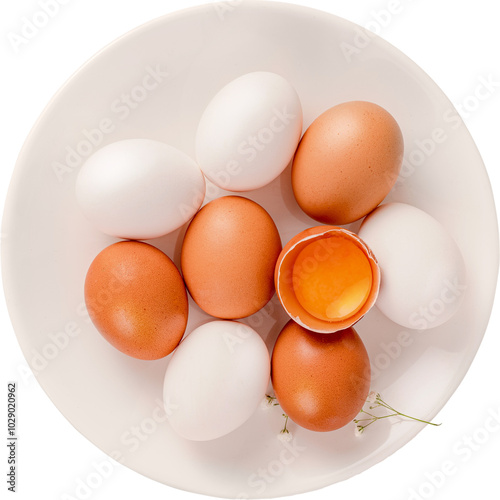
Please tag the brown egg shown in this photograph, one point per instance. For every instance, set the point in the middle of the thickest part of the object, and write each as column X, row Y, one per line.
column 320, row 381
column 228, row 257
column 136, row 299
column 347, row 162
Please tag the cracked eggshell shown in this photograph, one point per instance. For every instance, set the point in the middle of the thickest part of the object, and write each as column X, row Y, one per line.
column 283, row 278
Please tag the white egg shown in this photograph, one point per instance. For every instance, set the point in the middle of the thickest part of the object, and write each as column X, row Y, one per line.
column 423, row 278
column 139, row 189
column 249, row 131
column 215, row 380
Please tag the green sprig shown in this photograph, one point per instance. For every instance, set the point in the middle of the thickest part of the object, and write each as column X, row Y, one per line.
column 376, row 401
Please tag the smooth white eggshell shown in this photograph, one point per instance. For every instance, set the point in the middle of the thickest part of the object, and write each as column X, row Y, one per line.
column 139, row 189
column 215, row 380
column 423, row 278
column 249, row 131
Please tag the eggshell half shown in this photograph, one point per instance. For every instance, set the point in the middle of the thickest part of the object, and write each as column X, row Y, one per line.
column 284, row 279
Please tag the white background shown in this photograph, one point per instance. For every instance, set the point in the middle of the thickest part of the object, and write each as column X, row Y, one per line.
column 457, row 44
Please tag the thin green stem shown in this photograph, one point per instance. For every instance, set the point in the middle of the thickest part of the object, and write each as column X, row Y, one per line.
column 370, row 423
column 285, row 430
column 379, row 402
column 389, row 407
column 418, row 419
column 368, row 413
column 272, row 400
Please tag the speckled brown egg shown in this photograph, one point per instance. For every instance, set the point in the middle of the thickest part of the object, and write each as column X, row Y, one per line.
column 136, row 298
column 347, row 162
column 228, row 257
column 321, row 381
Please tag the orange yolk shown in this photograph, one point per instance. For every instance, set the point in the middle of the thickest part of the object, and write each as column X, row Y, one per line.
column 332, row 278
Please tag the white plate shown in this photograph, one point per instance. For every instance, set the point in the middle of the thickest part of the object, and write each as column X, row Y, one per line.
column 115, row 401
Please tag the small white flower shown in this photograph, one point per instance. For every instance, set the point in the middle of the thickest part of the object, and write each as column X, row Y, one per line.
column 372, row 397
column 358, row 430
column 264, row 404
column 267, row 403
column 285, row 436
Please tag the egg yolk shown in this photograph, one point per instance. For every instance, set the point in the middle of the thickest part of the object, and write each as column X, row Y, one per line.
column 332, row 278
